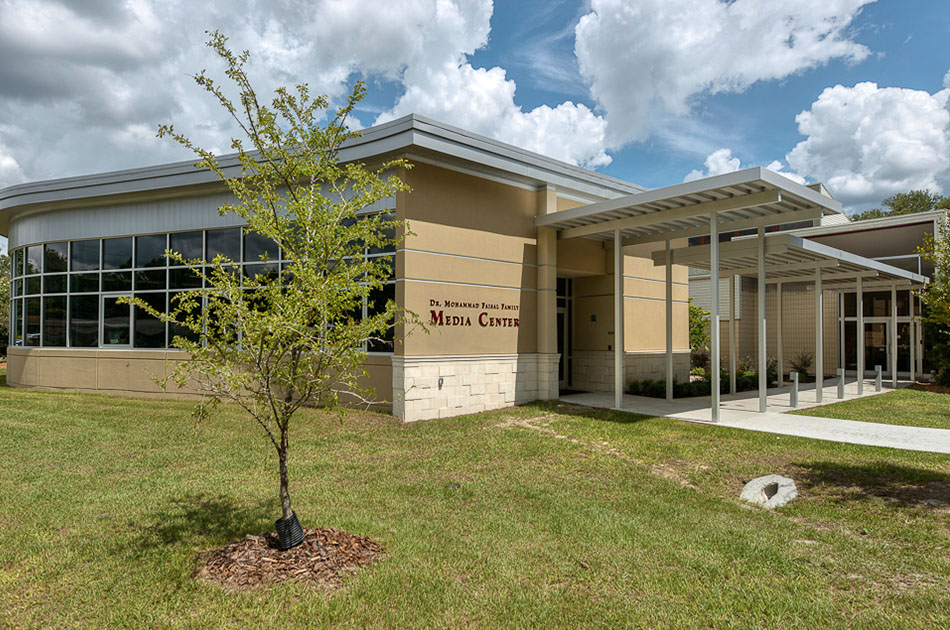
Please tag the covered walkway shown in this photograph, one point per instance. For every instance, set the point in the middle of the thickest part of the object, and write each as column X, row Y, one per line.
column 720, row 208
column 741, row 411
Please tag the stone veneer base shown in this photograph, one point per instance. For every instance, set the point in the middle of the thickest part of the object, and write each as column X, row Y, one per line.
column 594, row 369
column 470, row 384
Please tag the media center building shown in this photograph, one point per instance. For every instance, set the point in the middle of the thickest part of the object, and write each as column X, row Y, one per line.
column 521, row 265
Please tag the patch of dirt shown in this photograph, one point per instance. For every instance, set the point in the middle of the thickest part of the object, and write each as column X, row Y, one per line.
column 930, row 387
column 322, row 560
column 541, row 425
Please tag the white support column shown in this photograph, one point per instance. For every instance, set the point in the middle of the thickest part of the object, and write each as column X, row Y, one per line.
column 819, row 337
column 859, row 304
column 894, row 336
column 779, row 341
column 669, row 319
column 912, row 337
column 618, row 320
column 760, row 311
column 732, row 334
column 841, row 363
column 715, row 360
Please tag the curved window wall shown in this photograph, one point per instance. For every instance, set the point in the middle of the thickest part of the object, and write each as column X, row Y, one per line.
column 65, row 294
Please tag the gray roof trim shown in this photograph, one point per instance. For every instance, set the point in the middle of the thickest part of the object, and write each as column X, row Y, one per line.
column 385, row 140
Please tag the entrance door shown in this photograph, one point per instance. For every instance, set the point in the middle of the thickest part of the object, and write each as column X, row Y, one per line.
column 876, row 346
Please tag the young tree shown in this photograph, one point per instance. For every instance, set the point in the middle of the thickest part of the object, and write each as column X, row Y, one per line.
column 274, row 340
column 936, row 300
column 4, row 303
column 698, row 328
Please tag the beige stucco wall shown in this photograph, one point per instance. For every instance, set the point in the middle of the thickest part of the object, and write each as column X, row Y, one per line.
column 133, row 372
column 471, row 257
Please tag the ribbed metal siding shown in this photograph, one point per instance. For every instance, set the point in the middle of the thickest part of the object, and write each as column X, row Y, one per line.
column 126, row 219
column 699, row 291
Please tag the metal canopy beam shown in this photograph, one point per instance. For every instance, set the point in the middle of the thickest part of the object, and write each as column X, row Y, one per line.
column 808, row 214
column 695, row 210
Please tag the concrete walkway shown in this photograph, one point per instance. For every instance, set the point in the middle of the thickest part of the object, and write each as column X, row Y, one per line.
column 740, row 411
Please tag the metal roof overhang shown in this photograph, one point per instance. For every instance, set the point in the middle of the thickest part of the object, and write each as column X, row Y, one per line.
column 750, row 198
column 793, row 259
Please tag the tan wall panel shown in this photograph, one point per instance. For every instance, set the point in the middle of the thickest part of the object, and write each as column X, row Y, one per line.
column 68, row 372
column 420, row 266
column 578, row 256
column 638, row 263
column 460, row 241
column 588, row 333
column 645, row 325
column 468, row 336
column 567, row 204
column 447, row 197
column 128, row 371
column 653, row 289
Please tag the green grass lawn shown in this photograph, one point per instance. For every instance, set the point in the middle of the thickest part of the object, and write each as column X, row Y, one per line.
column 564, row 518
column 911, row 407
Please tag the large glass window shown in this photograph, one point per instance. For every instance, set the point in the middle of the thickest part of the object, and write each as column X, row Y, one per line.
column 117, row 253
column 377, row 304
column 34, row 259
column 150, row 251
column 32, row 286
column 149, row 330
column 115, row 322
column 56, row 258
column 188, row 244
column 183, row 278
column 227, row 243
column 32, row 337
column 150, row 280
column 88, row 275
column 55, row 284
column 258, row 248
column 84, row 255
column 177, row 330
column 84, row 283
column 17, row 322
column 54, row 321
column 117, row 281
column 84, row 321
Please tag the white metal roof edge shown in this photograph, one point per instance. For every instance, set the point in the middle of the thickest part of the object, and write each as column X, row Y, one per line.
column 387, row 138
column 747, row 176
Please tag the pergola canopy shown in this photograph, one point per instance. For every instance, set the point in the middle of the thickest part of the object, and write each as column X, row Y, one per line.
column 750, row 198
column 790, row 258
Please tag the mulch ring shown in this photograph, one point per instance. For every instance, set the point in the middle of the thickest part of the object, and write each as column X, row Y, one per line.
column 321, row 560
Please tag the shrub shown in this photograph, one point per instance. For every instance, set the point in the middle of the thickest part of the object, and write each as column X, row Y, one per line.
column 802, row 363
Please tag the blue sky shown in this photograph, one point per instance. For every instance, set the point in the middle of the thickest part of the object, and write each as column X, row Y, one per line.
column 651, row 91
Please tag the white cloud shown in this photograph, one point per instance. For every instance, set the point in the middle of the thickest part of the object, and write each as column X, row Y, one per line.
column 866, row 142
column 10, row 171
column 441, row 84
column 482, row 101
column 84, row 85
column 722, row 161
column 651, row 58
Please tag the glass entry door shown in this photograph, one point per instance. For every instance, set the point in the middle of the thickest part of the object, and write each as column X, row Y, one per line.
column 876, row 346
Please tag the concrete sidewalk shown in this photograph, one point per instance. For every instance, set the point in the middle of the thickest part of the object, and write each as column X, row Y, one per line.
column 739, row 411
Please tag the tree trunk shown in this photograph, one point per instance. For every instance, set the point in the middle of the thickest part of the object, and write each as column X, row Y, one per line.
column 284, row 481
